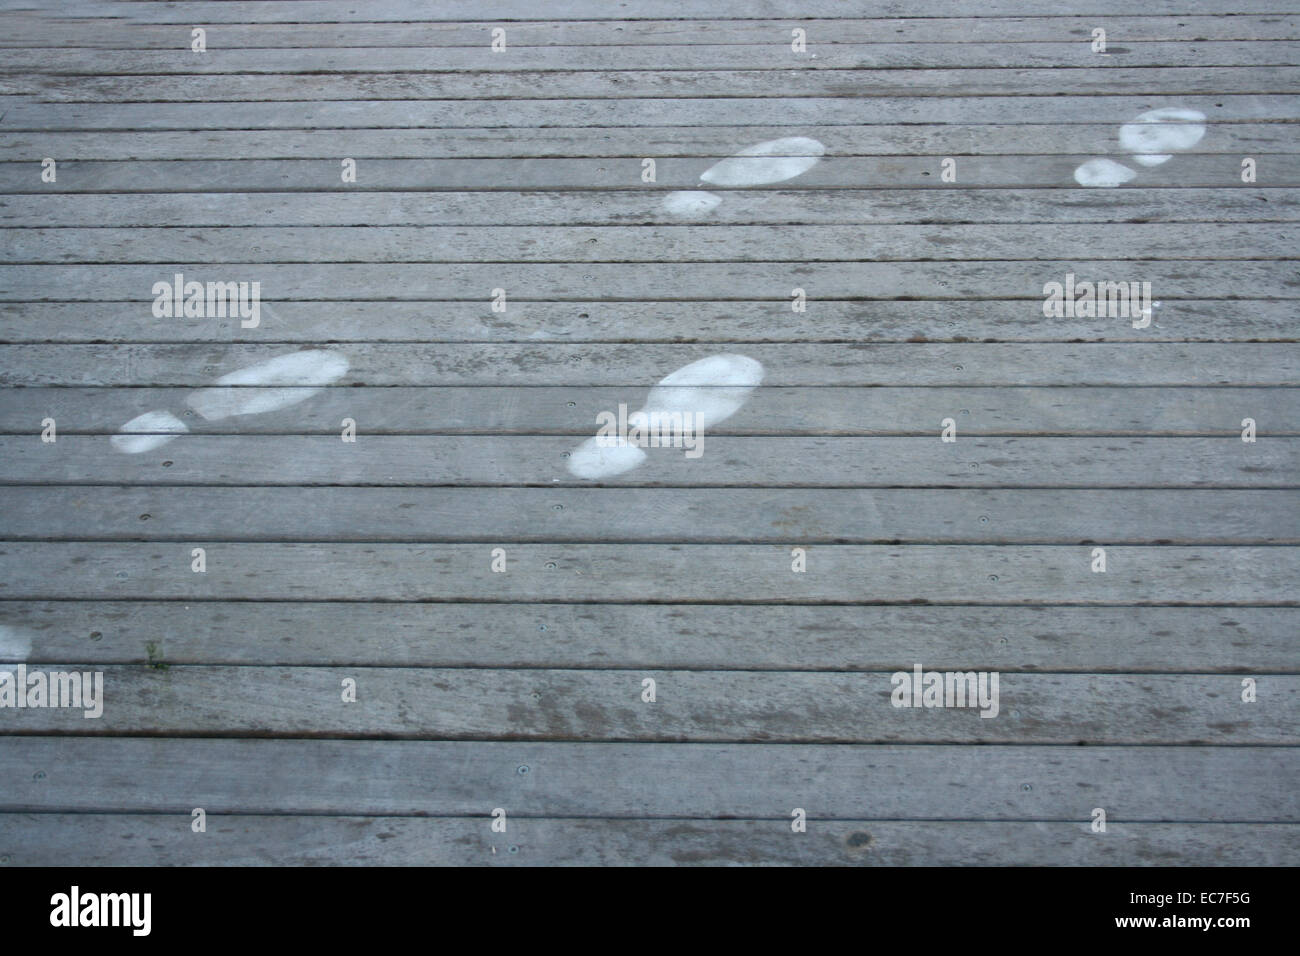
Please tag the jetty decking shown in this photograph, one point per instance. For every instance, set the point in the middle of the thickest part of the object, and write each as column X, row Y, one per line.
column 475, row 227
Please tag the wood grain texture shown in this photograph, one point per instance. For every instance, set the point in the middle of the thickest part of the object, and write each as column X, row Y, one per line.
column 690, row 281
column 1248, row 784
column 827, row 516
column 635, row 366
column 828, row 54
column 793, row 410
column 729, row 461
column 94, row 32
column 637, row 112
column 675, row 244
column 522, row 85
column 344, row 11
column 247, row 840
column 704, row 143
column 521, row 170
column 855, row 322
column 621, row 173
column 617, row 573
column 534, row 704
column 786, row 637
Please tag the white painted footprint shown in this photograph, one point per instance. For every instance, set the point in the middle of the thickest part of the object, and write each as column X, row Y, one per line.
column 277, row 383
column 1152, row 138
column 713, row 389
column 771, row 162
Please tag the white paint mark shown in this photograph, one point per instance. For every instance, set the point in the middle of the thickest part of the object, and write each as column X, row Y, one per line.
column 1152, row 138
column 771, row 162
column 1103, row 172
column 691, row 203
column 300, row 375
column 15, row 643
column 1157, row 134
column 594, row 460
column 147, row 432
column 713, row 389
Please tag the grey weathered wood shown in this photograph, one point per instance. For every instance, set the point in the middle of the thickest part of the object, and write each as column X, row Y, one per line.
column 245, row 840
column 666, row 141
column 876, row 322
column 562, row 410
column 787, row 637
column 686, row 243
column 391, row 584
column 863, row 84
column 705, row 706
column 633, row 366
column 416, row 460
column 346, row 11
column 825, row 35
column 878, row 172
column 616, row 573
column 864, row 208
column 716, row 111
column 1137, row 784
column 719, row 55
column 825, row 516
column 604, row 282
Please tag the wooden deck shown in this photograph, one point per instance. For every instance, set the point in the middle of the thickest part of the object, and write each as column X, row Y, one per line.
column 328, row 561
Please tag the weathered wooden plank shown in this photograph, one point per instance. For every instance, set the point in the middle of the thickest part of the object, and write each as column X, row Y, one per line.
column 560, row 410
column 700, row 142
column 617, row 573
column 347, row 11
column 879, row 322
column 715, row 111
column 689, row 281
column 649, row 84
column 869, row 207
column 1146, row 784
column 703, row 706
column 687, row 243
column 879, row 172
column 632, row 366
column 717, row 55
column 786, row 637
column 824, row 35
column 245, row 840
column 414, row 460
column 827, row 516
